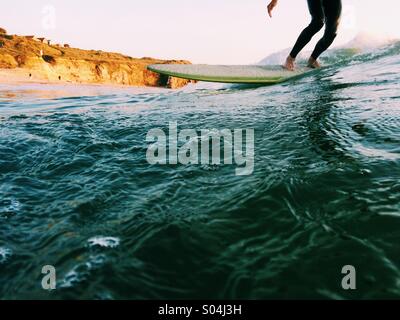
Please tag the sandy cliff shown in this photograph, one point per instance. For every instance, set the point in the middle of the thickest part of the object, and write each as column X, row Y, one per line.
column 42, row 62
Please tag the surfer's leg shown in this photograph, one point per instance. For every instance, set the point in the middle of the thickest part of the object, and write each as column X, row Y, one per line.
column 317, row 22
column 333, row 12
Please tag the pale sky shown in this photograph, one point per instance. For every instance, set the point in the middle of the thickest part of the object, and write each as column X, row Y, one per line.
column 205, row 31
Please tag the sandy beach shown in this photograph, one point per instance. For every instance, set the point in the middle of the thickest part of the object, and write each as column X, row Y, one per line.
column 21, row 76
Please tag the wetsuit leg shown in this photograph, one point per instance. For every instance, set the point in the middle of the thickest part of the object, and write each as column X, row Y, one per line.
column 333, row 11
column 317, row 22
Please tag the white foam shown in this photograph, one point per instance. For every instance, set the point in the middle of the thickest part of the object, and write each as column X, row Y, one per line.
column 81, row 272
column 5, row 254
column 105, row 242
column 367, row 41
column 362, row 42
column 377, row 153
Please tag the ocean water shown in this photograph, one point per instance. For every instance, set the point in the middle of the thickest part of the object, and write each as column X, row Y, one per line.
column 78, row 193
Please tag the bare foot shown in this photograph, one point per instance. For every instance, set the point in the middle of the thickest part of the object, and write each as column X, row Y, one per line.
column 314, row 64
column 289, row 64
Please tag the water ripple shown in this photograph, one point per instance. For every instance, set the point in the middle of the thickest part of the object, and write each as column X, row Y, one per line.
column 77, row 191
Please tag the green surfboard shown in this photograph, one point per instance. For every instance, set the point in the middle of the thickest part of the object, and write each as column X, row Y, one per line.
column 250, row 74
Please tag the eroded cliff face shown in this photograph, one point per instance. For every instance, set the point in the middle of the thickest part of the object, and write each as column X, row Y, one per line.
column 55, row 63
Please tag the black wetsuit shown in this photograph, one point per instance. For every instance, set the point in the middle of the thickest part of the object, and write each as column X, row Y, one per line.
column 326, row 12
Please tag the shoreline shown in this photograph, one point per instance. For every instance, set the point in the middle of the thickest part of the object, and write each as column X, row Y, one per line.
column 20, row 76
